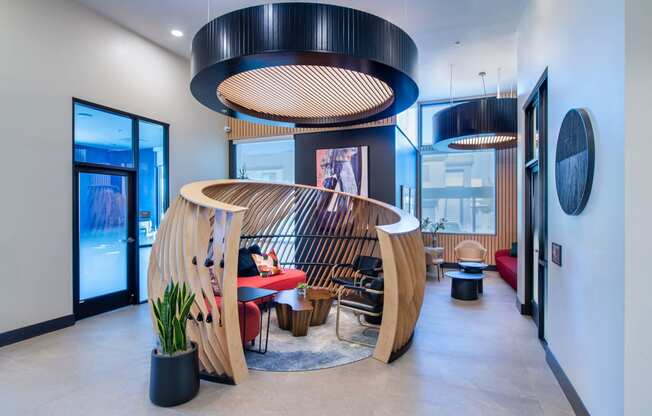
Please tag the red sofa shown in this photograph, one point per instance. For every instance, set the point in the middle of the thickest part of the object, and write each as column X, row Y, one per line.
column 288, row 279
column 507, row 267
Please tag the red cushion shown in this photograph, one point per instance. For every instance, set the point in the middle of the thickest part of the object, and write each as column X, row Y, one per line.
column 253, row 318
column 507, row 267
column 288, row 279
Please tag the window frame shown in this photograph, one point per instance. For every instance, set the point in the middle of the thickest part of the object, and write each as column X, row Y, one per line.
column 233, row 153
column 135, row 118
column 429, row 103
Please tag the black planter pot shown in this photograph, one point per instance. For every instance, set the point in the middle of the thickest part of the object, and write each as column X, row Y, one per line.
column 174, row 379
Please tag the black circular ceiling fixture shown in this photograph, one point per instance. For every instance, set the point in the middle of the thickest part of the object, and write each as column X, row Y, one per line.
column 487, row 123
column 304, row 65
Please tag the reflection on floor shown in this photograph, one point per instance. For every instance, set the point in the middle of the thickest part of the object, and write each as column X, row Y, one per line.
column 468, row 358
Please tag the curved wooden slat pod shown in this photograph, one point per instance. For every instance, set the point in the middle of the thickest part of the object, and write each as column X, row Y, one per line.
column 310, row 228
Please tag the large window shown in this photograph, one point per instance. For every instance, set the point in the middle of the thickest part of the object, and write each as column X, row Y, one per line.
column 271, row 160
column 103, row 137
column 459, row 187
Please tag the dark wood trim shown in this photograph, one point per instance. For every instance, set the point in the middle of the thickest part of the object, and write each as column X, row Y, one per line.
column 537, row 101
column 233, row 166
column 398, row 353
column 214, row 378
column 31, row 331
column 535, row 91
column 564, row 382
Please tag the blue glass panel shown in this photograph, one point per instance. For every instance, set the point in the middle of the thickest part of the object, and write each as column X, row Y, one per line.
column 151, row 192
column 103, row 233
column 151, row 180
column 103, row 137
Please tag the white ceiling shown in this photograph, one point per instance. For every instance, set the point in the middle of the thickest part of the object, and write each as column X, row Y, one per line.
column 484, row 28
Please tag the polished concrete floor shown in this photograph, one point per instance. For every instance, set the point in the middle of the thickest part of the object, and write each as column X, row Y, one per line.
column 468, row 358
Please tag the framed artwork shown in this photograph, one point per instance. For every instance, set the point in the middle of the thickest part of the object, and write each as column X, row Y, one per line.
column 556, row 254
column 344, row 169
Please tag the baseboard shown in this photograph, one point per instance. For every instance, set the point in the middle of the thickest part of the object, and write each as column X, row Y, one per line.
column 396, row 354
column 565, row 384
column 21, row 334
column 523, row 308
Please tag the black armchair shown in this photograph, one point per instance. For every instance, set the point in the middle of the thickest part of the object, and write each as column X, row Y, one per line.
column 363, row 267
column 365, row 300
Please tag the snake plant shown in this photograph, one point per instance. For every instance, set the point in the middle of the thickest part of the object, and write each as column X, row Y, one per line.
column 171, row 314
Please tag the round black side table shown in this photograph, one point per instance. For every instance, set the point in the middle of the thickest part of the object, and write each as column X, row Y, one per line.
column 465, row 286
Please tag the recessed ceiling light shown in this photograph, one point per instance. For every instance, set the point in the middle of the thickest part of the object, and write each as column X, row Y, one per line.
column 176, row 33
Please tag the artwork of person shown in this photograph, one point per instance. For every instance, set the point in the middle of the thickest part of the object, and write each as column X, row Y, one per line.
column 342, row 169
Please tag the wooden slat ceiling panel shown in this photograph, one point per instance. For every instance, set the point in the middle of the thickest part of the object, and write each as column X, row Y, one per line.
column 306, row 92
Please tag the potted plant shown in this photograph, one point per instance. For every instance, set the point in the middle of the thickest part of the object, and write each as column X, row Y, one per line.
column 174, row 372
column 433, row 227
column 302, row 288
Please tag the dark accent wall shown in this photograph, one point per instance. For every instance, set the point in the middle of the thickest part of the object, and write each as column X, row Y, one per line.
column 381, row 142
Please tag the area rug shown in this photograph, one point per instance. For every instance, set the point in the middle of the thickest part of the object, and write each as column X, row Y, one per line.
column 319, row 349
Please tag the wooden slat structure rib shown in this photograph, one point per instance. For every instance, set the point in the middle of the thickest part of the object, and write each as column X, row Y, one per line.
column 310, row 228
column 505, row 214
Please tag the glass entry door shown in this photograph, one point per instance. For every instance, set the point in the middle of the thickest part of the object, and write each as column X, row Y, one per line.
column 104, row 240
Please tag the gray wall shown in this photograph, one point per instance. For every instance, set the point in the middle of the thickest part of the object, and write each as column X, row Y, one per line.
column 638, row 200
column 52, row 51
column 582, row 42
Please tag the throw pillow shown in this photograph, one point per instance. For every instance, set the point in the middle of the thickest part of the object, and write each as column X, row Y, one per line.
column 246, row 265
column 514, row 251
column 267, row 264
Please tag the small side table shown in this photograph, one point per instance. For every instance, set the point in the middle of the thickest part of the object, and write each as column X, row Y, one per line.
column 293, row 312
column 250, row 294
column 474, row 267
column 321, row 300
column 465, row 286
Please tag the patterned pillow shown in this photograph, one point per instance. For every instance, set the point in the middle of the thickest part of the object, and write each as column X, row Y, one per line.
column 267, row 264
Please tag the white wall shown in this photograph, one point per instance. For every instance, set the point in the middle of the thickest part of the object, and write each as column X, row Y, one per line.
column 582, row 42
column 52, row 51
column 638, row 200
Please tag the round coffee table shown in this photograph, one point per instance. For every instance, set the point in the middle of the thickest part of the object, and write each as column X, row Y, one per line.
column 474, row 267
column 465, row 286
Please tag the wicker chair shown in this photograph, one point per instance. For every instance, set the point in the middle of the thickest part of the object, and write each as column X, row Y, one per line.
column 469, row 250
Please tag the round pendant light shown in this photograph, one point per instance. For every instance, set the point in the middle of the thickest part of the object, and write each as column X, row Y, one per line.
column 488, row 123
column 304, row 65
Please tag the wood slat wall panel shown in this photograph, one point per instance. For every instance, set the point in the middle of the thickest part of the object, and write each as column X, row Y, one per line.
column 505, row 213
column 241, row 129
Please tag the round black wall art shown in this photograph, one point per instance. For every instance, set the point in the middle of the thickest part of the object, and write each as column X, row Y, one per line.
column 574, row 161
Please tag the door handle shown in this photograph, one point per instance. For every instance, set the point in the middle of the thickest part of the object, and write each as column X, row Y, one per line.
column 130, row 240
